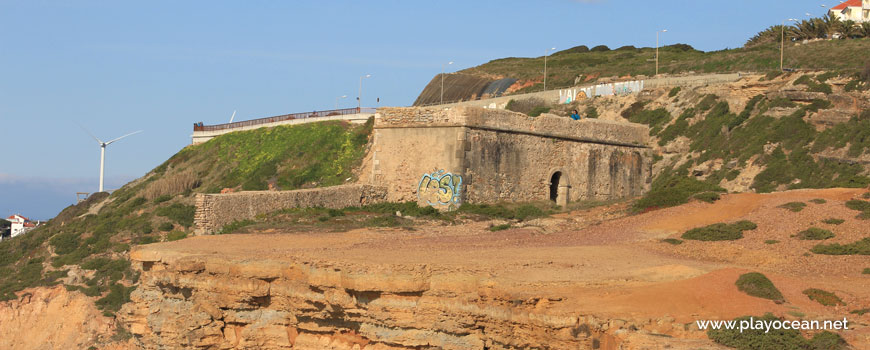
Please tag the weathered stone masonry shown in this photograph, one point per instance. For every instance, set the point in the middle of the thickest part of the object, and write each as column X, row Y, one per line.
column 506, row 156
column 213, row 211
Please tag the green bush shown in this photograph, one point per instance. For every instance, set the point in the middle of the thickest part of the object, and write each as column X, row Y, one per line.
column 771, row 241
column 118, row 295
column 500, row 211
column 537, row 111
column 860, row 312
column 670, row 190
column 147, row 240
column 166, row 227
column 708, row 197
column 720, row 231
column 672, row 241
column 162, row 198
column 176, row 235
column 815, row 234
column 235, row 226
column 823, row 297
column 591, row 112
column 180, row 213
column 866, row 271
column 793, row 206
column 674, row 92
column 499, row 227
column 861, row 247
column 819, row 201
column 758, row 285
column 858, row 205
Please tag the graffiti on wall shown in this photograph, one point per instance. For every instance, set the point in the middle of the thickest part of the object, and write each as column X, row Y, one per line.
column 622, row 88
column 441, row 189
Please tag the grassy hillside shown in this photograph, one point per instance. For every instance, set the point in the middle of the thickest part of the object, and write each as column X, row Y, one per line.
column 564, row 67
column 91, row 240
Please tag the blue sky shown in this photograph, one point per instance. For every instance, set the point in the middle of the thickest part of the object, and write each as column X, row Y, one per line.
column 159, row 66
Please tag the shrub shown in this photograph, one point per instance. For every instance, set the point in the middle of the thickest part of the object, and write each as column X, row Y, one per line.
column 161, row 199
column 528, row 211
column 672, row 241
column 591, row 112
column 793, row 206
column 860, row 312
column 528, row 106
column 180, row 213
column 823, row 297
column 758, row 338
column 234, row 226
column 147, row 240
column 499, row 227
column 537, row 111
column 166, row 227
column 771, row 241
column 118, row 295
column 720, row 231
column 708, row 197
column 819, row 201
column 758, row 285
column 674, row 91
column 672, row 190
column 866, row 271
column 383, row 221
column 861, row 247
column 176, row 235
column 172, row 184
column 858, row 205
column 815, row 234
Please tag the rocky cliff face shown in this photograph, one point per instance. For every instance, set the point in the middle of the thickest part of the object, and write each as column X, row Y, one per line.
column 53, row 318
column 192, row 302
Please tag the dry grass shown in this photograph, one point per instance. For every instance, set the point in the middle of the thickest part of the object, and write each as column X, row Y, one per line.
column 171, row 184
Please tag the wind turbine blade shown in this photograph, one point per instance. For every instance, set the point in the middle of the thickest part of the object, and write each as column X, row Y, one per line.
column 89, row 133
column 234, row 115
column 132, row 133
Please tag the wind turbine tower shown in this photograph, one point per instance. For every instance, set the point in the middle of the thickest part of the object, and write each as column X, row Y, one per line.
column 103, row 153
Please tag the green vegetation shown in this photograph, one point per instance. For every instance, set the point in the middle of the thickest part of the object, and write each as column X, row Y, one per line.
column 758, row 285
column 501, row 227
column 673, row 188
column 771, row 241
column 833, row 221
column 859, row 205
column 813, row 85
column 866, row 271
column 166, row 227
column 672, row 241
column 861, row 247
column 674, row 92
column 176, row 235
column 818, row 201
column 823, row 297
column 860, row 312
column 720, row 231
column 708, row 197
column 235, row 226
column 180, row 213
column 591, row 112
column 776, row 339
column 815, row 234
column 532, row 107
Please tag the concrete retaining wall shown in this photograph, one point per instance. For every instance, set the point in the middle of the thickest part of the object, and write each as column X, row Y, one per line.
column 213, row 211
column 203, row 136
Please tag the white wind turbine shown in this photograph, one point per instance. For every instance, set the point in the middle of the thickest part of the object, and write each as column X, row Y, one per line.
column 103, row 152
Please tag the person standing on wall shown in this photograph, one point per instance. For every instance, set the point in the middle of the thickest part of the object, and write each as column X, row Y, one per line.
column 575, row 115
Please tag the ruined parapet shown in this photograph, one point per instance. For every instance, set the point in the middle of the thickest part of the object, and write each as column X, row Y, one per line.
column 443, row 157
column 214, row 211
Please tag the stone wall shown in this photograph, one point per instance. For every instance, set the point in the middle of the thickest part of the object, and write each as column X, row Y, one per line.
column 484, row 156
column 213, row 211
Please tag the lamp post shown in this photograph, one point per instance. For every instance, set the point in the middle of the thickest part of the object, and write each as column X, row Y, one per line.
column 359, row 97
column 337, row 98
column 546, row 53
column 443, row 66
column 657, row 48
column 782, row 44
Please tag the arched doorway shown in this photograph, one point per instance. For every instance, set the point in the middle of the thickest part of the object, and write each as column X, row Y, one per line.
column 554, row 186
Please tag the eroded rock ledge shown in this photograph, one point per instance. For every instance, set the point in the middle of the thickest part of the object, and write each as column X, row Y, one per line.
column 218, row 303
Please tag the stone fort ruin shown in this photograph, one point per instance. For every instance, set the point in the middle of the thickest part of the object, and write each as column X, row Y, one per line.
column 447, row 157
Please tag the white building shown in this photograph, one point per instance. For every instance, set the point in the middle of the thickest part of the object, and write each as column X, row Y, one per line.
column 20, row 225
column 855, row 10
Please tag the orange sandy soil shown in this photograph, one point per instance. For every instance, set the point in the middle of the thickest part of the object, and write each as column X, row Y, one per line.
column 605, row 263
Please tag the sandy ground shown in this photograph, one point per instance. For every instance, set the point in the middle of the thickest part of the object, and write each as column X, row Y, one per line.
column 602, row 262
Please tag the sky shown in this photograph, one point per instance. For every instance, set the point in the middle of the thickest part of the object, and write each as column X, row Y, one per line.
column 113, row 67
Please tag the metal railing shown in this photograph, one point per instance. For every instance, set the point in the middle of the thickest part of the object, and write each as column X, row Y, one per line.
column 280, row 118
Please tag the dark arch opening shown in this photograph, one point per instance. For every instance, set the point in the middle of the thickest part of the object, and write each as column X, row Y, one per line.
column 554, row 185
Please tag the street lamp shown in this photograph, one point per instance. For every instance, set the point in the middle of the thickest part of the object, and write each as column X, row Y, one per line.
column 443, row 66
column 782, row 44
column 657, row 48
column 337, row 98
column 546, row 53
column 359, row 97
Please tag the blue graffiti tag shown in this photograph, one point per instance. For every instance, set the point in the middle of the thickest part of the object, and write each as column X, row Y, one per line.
column 440, row 188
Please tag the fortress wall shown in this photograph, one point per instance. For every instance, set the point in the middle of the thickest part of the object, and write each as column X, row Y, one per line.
column 213, row 211
column 497, row 155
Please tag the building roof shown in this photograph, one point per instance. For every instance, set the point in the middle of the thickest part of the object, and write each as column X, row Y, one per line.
column 16, row 217
column 849, row 3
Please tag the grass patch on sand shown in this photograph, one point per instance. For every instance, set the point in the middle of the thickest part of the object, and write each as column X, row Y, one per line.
column 861, row 247
column 833, row 221
column 823, row 297
column 819, row 201
column 758, row 285
column 794, row 206
column 771, row 241
column 814, row 234
column 672, row 241
column 720, row 231
column 501, row 227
